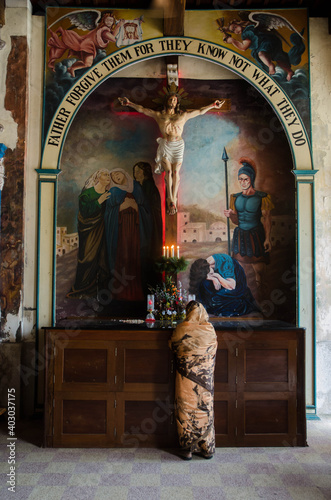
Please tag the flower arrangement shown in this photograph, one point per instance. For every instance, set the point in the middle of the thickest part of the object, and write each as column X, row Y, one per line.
column 170, row 301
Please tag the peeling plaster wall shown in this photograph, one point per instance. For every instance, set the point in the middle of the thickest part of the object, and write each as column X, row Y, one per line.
column 14, row 94
column 320, row 46
column 14, row 59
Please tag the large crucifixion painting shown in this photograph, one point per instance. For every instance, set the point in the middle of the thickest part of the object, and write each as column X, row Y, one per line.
column 111, row 148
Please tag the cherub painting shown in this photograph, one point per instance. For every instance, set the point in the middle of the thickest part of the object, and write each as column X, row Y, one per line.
column 82, row 49
column 259, row 33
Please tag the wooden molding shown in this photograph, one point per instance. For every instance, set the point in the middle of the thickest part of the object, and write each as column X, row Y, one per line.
column 174, row 11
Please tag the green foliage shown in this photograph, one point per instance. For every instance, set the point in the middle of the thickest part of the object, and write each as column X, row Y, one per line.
column 171, row 265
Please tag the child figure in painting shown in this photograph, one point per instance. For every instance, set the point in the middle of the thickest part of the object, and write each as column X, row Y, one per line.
column 170, row 152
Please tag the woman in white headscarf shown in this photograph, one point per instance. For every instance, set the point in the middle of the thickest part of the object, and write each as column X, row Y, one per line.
column 92, row 266
column 194, row 343
column 128, row 236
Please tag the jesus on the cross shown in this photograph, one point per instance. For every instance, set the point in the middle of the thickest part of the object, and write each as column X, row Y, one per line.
column 169, row 157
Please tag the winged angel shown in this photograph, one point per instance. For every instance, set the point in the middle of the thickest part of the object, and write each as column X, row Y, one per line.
column 102, row 29
column 259, row 33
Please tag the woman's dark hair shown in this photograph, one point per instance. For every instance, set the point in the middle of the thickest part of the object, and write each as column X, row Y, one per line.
column 198, row 273
column 145, row 167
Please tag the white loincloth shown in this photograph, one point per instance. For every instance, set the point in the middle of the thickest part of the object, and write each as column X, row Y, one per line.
column 170, row 150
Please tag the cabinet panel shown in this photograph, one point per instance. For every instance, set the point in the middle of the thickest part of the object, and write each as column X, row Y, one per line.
column 85, row 365
column 145, row 366
column 268, row 365
column 145, row 419
column 224, row 411
column 84, row 417
column 267, row 419
column 225, row 368
column 84, row 420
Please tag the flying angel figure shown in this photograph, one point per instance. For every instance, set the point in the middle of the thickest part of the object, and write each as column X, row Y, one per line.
column 259, row 33
column 102, row 29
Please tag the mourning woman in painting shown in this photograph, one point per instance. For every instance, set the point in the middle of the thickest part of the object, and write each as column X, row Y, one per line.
column 128, row 229
column 194, row 344
column 219, row 283
column 142, row 173
column 92, row 266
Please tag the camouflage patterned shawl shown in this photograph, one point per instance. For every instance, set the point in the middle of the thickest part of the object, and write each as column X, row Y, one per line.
column 194, row 343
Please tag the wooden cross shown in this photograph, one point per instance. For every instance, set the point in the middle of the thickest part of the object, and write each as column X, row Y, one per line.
column 174, row 13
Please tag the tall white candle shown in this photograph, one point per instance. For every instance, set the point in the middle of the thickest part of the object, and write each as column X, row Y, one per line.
column 177, row 251
column 163, row 252
column 167, row 252
column 172, row 250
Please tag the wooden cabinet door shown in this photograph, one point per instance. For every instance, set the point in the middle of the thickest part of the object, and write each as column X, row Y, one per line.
column 84, row 386
column 225, row 394
column 266, row 400
column 145, row 405
column 86, row 366
column 145, row 419
column 145, row 366
column 84, row 420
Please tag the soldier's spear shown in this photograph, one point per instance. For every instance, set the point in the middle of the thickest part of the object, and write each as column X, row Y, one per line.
column 225, row 159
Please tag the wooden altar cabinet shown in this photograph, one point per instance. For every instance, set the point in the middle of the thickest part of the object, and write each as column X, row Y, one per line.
column 113, row 385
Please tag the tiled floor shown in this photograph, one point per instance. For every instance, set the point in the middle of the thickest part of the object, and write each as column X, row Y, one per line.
column 149, row 474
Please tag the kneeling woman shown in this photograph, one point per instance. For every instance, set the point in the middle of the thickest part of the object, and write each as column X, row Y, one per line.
column 219, row 282
column 194, row 343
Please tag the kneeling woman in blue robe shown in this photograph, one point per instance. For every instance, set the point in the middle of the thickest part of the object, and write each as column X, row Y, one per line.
column 219, row 283
column 128, row 230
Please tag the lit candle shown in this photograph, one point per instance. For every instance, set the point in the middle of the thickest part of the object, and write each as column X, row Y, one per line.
column 167, row 252
column 163, row 251
column 177, row 252
column 172, row 250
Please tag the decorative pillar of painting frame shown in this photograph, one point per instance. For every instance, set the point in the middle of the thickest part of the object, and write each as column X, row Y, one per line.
column 306, row 296
column 240, row 65
column 47, row 209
